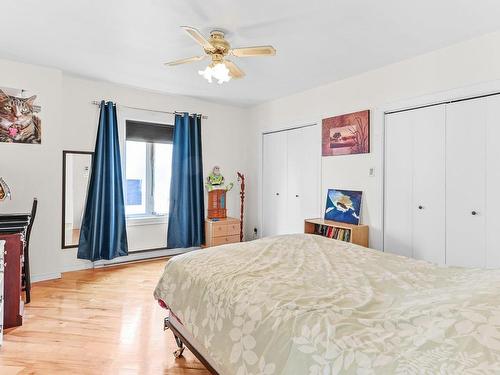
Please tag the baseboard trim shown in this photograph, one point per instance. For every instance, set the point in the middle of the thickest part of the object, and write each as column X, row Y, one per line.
column 45, row 277
column 77, row 267
column 132, row 257
column 142, row 255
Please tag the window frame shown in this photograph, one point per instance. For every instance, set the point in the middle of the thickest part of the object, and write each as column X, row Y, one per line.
column 150, row 216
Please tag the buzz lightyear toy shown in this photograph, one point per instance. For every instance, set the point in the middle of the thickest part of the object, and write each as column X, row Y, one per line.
column 215, row 180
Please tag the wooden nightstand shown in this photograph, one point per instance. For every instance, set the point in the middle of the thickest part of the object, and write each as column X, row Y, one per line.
column 222, row 231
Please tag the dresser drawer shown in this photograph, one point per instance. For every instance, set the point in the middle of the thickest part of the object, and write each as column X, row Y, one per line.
column 233, row 229
column 219, row 230
column 222, row 231
column 224, row 240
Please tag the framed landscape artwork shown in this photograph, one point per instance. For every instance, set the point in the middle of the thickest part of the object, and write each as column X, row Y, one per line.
column 346, row 134
column 343, row 206
column 19, row 117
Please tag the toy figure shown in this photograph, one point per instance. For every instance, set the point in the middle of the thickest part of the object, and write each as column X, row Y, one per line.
column 215, row 180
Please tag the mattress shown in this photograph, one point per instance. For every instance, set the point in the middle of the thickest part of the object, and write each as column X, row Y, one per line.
column 304, row 304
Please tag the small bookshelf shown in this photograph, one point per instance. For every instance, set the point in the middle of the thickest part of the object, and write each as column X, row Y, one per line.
column 356, row 234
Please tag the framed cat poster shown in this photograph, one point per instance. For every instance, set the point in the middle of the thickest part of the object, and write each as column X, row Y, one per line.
column 19, row 119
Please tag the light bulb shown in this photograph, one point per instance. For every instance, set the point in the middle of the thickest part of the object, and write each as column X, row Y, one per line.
column 221, row 73
column 207, row 73
column 218, row 71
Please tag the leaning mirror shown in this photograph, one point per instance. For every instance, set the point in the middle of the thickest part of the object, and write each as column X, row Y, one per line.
column 76, row 175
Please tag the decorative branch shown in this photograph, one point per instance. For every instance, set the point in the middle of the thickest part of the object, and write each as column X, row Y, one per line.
column 241, row 180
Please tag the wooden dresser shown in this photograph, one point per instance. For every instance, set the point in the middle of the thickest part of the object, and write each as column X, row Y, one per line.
column 2, row 243
column 221, row 231
column 12, row 265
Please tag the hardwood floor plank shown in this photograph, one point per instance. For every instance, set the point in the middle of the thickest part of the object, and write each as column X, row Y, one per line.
column 102, row 321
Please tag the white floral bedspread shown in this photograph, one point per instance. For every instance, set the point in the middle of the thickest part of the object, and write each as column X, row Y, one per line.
column 303, row 304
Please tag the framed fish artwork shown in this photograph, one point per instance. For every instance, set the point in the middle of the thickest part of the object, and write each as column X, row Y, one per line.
column 19, row 117
column 343, row 206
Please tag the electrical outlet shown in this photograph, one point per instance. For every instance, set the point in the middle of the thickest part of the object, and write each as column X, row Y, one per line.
column 371, row 172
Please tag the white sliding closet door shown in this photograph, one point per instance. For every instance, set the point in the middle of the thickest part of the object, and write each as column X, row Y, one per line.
column 274, row 187
column 466, row 183
column 429, row 174
column 415, row 184
column 492, row 181
column 398, row 183
column 303, row 145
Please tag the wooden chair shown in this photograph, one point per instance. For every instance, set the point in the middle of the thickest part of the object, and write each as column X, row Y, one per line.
column 26, row 277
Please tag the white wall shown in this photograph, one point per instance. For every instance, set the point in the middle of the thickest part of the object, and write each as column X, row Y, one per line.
column 461, row 65
column 221, row 136
column 35, row 170
column 70, row 123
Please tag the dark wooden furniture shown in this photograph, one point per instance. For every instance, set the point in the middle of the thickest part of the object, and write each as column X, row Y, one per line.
column 13, row 258
column 21, row 224
column 217, row 204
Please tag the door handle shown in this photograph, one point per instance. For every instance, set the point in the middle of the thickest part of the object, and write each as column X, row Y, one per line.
column 473, row 213
column 296, row 195
column 420, row 207
column 277, row 193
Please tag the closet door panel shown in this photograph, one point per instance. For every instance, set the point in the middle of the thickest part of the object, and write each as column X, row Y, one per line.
column 465, row 183
column 274, row 186
column 492, row 181
column 398, row 183
column 429, row 184
column 304, row 149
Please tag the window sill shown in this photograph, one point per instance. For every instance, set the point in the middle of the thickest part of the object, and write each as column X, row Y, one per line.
column 146, row 220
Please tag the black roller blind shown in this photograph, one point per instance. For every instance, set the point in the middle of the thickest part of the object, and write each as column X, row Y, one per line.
column 149, row 132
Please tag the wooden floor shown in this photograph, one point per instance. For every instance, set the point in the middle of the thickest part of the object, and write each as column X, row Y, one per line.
column 101, row 321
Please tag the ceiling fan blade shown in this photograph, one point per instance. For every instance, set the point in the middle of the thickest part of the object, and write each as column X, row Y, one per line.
column 234, row 70
column 253, row 51
column 186, row 60
column 198, row 38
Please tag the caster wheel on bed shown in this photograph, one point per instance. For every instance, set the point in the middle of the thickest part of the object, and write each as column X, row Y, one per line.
column 178, row 352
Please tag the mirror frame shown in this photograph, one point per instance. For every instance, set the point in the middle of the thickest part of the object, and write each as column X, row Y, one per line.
column 63, row 217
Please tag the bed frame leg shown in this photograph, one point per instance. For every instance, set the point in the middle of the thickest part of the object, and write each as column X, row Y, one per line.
column 180, row 344
column 178, row 341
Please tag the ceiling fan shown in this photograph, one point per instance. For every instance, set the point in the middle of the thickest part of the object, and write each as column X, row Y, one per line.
column 217, row 48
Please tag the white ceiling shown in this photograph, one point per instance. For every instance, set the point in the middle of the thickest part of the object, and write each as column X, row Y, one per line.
column 126, row 41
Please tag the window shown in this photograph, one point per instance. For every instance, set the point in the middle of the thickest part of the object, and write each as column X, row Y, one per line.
column 148, row 163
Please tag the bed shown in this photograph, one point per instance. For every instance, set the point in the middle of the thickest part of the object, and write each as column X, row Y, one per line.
column 304, row 304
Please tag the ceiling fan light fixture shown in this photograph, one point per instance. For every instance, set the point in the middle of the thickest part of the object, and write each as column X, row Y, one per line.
column 217, row 48
column 218, row 71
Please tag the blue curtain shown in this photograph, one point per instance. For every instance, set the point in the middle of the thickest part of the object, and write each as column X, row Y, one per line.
column 187, row 210
column 103, row 233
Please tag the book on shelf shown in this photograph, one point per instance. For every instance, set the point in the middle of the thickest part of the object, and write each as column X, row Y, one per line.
column 342, row 234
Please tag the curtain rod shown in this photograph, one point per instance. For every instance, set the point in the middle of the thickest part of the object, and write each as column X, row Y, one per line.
column 98, row 102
